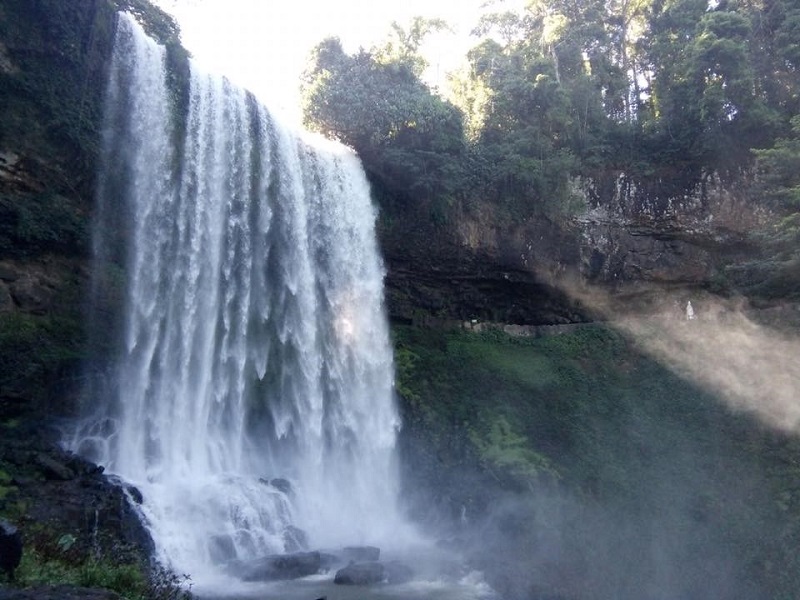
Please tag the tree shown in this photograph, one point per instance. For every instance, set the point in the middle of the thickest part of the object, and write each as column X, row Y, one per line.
column 407, row 136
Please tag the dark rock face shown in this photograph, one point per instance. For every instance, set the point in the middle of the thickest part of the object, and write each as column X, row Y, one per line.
column 282, row 485
column 10, row 548
column 278, row 567
column 360, row 574
column 361, row 553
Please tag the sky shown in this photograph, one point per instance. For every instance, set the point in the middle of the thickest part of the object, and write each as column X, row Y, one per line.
column 264, row 45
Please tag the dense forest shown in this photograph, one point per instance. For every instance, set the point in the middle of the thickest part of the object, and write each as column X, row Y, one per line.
column 669, row 95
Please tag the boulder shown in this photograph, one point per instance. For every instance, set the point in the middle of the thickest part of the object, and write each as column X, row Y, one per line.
column 361, row 553
column 360, row 574
column 31, row 295
column 10, row 548
column 278, row 567
column 282, row 485
column 396, row 572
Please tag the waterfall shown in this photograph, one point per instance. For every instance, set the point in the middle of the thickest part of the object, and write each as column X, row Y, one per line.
column 253, row 405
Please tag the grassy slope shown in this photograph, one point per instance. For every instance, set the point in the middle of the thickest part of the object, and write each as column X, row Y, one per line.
column 590, row 470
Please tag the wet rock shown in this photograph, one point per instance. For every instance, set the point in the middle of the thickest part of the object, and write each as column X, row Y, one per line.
column 282, row 485
column 6, row 65
column 53, row 469
column 10, row 548
column 396, row 572
column 135, row 494
column 361, row 553
column 31, row 295
column 295, row 539
column 221, row 548
column 278, row 567
column 360, row 574
column 6, row 301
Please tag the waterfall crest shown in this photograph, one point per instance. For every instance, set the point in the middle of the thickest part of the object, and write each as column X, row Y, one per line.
column 255, row 396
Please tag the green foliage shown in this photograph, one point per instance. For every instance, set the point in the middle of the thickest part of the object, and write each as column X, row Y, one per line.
column 376, row 104
column 39, row 568
column 42, row 223
column 403, row 44
column 779, row 173
column 158, row 24
column 665, row 93
column 585, row 413
column 46, row 561
column 501, row 447
column 35, row 351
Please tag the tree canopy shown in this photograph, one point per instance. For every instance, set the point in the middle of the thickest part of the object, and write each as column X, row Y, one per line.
column 658, row 90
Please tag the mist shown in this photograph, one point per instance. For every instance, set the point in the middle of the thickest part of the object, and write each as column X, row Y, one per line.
column 674, row 489
column 751, row 366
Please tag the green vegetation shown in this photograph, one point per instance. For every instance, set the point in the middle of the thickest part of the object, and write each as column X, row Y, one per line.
column 6, row 485
column 39, row 224
column 667, row 94
column 36, row 352
column 594, row 443
column 407, row 137
column 47, row 560
column 127, row 580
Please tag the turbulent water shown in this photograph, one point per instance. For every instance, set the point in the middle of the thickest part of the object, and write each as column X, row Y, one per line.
column 254, row 401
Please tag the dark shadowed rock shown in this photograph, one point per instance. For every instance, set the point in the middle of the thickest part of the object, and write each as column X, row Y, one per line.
column 135, row 494
column 8, row 272
column 31, row 295
column 397, row 572
column 6, row 301
column 277, row 567
column 328, row 561
column 53, row 469
column 10, row 548
column 361, row 553
column 360, row 574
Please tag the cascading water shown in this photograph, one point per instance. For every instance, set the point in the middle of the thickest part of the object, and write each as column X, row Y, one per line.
column 255, row 346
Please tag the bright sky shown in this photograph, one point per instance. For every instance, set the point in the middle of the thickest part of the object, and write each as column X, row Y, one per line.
column 263, row 45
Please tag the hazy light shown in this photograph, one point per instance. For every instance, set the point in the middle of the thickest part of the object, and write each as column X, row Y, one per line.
column 723, row 347
column 264, row 45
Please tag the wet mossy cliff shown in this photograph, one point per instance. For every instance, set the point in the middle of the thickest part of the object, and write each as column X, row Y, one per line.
column 53, row 63
column 78, row 527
